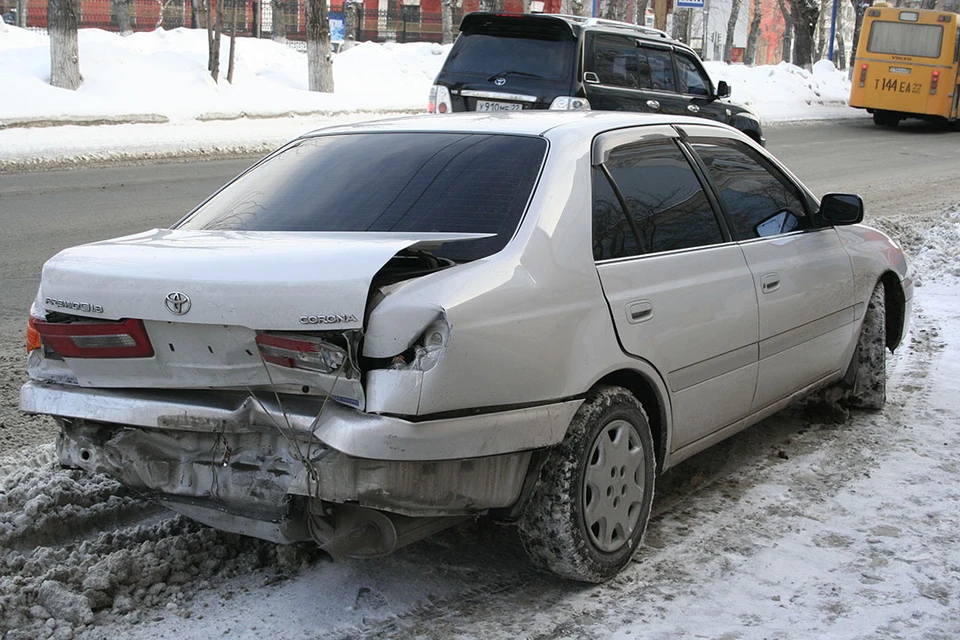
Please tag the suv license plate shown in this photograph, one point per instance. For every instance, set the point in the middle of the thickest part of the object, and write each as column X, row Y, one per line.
column 490, row 105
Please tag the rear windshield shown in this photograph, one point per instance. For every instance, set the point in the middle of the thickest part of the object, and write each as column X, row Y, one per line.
column 519, row 55
column 905, row 39
column 409, row 182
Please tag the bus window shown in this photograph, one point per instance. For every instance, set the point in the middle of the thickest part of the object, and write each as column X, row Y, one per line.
column 906, row 39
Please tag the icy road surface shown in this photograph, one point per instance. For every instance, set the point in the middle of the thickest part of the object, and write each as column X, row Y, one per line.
column 813, row 524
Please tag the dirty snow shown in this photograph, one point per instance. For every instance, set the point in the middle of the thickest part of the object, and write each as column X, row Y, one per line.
column 813, row 524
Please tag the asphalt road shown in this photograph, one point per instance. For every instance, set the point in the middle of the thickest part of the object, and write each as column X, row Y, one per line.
column 911, row 169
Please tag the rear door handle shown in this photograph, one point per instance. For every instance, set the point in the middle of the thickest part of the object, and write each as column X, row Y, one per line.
column 639, row 311
column 653, row 104
column 769, row 282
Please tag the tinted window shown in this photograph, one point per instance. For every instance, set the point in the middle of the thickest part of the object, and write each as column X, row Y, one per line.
column 666, row 203
column 759, row 202
column 660, row 65
column 615, row 61
column 690, row 77
column 502, row 54
column 419, row 182
column 613, row 234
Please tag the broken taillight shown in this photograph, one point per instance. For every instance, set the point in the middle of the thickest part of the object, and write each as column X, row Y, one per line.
column 108, row 339
column 301, row 352
column 33, row 336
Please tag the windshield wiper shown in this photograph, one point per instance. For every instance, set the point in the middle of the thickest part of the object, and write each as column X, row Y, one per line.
column 513, row 72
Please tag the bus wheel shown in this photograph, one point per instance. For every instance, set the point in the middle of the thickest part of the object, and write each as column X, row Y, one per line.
column 885, row 119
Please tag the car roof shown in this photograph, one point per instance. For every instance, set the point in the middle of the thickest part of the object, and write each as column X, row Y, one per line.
column 532, row 122
column 477, row 19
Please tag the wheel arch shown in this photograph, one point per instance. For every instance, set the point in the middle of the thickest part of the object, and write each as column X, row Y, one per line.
column 651, row 397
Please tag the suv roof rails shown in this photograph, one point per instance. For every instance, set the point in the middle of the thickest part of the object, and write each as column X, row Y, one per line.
column 603, row 22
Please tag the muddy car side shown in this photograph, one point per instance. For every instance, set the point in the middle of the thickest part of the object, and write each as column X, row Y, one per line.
column 546, row 381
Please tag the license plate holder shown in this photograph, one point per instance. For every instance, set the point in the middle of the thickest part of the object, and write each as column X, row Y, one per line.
column 496, row 106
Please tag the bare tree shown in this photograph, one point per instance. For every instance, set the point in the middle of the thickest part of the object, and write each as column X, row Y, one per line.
column 805, row 15
column 731, row 29
column 214, row 25
column 22, row 12
column 233, row 40
column 62, row 19
column 278, row 32
column 787, row 43
column 121, row 8
column 859, row 10
column 446, row 19
column 750, row 55
column 319, row 59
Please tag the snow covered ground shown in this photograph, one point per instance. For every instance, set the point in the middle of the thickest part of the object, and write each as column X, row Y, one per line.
column 814, row 524
column 158, row 84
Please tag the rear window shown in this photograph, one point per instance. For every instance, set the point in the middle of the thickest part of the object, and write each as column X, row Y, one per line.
column 408, row 182
column 511, row 54
column 905, row 39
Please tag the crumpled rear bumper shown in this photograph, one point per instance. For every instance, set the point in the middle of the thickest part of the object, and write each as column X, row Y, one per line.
column 255, row 456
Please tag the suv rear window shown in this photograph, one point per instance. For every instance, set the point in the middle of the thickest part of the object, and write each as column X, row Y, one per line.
column 522, row 54
column 410, row 182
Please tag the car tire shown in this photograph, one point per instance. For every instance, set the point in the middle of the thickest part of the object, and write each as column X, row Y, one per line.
column 870, row 359
column 885, row 119
column 590, row 509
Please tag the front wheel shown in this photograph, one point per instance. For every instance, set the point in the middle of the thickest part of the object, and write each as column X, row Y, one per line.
column 589, row 511
column 870, row 359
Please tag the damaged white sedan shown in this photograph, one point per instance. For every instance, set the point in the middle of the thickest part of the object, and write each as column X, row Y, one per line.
column 382, row 329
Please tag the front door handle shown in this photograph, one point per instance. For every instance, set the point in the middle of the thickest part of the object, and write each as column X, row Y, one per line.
column 653, row 104
column 639, row 311
column 770, row 282
column 692, row 108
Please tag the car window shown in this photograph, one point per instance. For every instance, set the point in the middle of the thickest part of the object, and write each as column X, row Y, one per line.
column 690, row 77
column 615, row 61
column 760, row 202
column 417, row 182
column 660, row 64
column 511, row 54
column 667, row 208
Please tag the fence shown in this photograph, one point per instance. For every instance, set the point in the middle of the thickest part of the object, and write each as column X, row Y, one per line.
column 399, row 23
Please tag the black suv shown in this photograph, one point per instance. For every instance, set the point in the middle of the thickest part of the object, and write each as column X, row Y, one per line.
column 512, row 62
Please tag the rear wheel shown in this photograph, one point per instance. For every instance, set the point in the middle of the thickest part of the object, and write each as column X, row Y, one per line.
column 870, row 359
column 588, row 514
column 885, row 119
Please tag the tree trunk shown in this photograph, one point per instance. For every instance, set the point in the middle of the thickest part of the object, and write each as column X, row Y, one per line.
column 319, row 60
column 122, row 10
column 278, row 32
column 641, row 8
column 62, row 19
column 681, row 24
column 859, row 10
column 214, row 23
column 788, row 29
column 23, row 11
column 233, row 40
column 750, row 55
column 805, row 18
column 446, row 20
column 731, row 29
column 840, row 51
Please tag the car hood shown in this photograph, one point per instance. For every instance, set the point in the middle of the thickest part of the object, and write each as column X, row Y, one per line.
column 255, row 279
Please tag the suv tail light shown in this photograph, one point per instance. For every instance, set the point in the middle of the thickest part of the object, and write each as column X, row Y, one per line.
column 120, row 339
column 569, row 103
column 440, row 101
column 301, row 352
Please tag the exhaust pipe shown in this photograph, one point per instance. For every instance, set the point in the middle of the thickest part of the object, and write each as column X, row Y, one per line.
column 350, row 531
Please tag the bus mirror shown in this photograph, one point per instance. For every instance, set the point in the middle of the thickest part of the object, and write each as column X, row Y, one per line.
column 841, row 208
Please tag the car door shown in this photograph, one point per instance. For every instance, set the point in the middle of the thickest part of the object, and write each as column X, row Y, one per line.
column 680, row 293
column 802, row 275
column 696, row 90
column 613, row 73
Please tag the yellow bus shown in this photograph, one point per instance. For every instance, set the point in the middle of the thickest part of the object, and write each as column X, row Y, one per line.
column 906, row 65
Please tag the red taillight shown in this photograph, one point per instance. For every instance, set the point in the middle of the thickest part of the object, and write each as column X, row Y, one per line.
column 121, row 339
column 933, row 81
column 33, row 336
column 301, row 352
column 863, row 73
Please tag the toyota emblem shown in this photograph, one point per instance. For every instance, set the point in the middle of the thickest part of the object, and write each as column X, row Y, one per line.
column 500, row 82
column 178, row 303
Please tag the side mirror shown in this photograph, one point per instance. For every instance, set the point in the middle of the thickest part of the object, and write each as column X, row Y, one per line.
column 723, row 89
column 841, row 208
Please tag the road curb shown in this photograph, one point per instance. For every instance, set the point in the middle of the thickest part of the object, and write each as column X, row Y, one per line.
column 81, row 121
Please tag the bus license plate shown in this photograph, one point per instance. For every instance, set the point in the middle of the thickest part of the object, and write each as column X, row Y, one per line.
column 903, row 70
column 490, row 105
